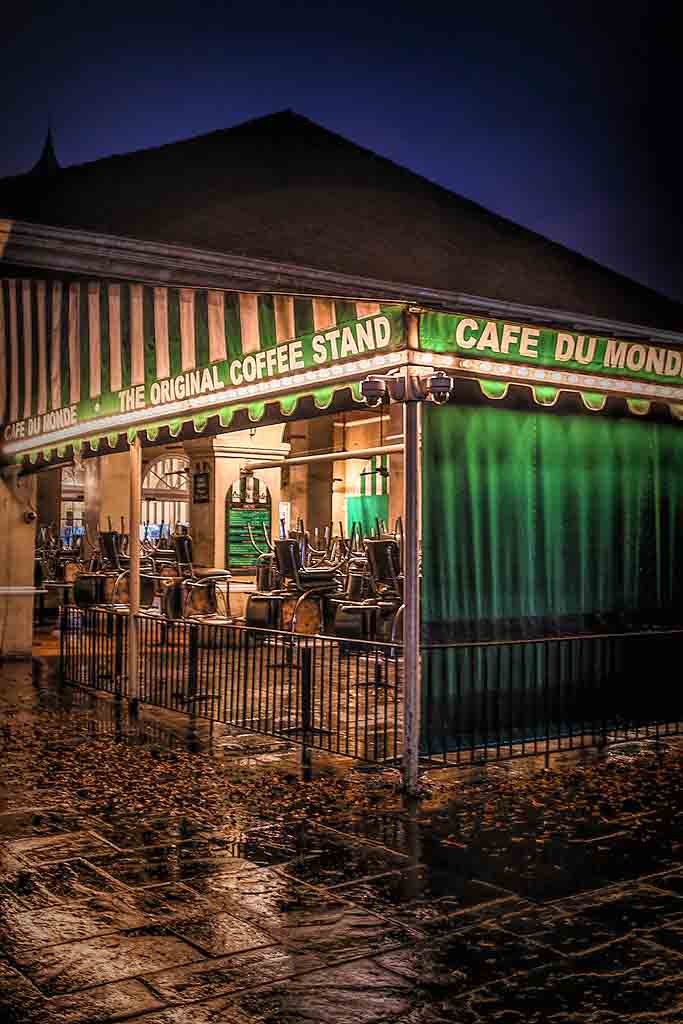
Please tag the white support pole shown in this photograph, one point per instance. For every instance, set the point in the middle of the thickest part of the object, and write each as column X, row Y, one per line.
column 134, row 552
column 411, row 594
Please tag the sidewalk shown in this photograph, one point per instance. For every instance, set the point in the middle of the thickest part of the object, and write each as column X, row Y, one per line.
column 139, row 881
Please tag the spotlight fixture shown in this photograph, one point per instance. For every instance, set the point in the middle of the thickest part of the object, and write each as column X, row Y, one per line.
column 437, row 387
column 373, row 390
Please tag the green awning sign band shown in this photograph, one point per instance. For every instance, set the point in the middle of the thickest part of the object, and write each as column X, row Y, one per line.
column 84, row 352
column 496, row 343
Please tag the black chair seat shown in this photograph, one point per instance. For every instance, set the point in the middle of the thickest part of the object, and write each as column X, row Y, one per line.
column 218, row 574
column 318, row 577
column 358, row 609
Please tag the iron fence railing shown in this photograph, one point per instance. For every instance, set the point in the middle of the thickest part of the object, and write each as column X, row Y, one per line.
column 481, row 701
column 328, row 694
column 492, row 701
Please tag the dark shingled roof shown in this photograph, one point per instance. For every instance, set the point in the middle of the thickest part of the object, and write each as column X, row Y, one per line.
column 283, row 188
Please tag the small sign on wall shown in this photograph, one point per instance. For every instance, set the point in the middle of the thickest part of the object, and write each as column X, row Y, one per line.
column 201, row 485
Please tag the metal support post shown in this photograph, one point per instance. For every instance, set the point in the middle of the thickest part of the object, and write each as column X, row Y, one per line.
column 411, row 595
column 134, row 581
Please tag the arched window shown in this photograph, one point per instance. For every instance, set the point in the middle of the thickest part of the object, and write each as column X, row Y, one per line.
column 72, row 505
column 166, row 495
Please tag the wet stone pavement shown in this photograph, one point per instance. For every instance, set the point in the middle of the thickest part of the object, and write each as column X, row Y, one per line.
column 505, row 896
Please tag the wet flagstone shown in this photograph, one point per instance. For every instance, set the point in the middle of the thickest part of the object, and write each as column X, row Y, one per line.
column 20, row 1001
column 531, row 918
column 266, row 896
column 228, row 974
column 220, row 934
column 574, row 936
column 127, row 831
column 26, row 930
column 669, row 882
column 31, row 821
column 626, row 980
column 168, row 901
column 467, row 959
column 218, row 1011
column 253, row 846
column 340, row 861
column 99, row 1005
column 75, row 965
column 417, row 896
column 74, row 880
column 47, row 849
column 115, row 905
column 670, row 936
column 181, row 861
column 638, row 906
column 337, row 933
column 300, row 916
column 21, row 890
column 361, row 992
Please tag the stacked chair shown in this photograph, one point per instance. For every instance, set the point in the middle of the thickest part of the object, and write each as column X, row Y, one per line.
column 350, row 587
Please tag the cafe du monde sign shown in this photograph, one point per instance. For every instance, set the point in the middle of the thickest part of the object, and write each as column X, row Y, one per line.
column 500, row 342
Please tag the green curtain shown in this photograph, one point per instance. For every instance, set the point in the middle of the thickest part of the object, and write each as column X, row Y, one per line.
column 366, row 509
column 536, row 525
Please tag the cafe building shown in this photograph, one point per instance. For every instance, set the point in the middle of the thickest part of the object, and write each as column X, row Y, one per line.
column 381, row 414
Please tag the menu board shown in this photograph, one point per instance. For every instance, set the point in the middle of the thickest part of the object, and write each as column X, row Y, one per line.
column 200, row 488
column 240, row 552
column 247, row 505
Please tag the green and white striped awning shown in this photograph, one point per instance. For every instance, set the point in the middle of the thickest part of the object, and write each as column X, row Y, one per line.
column 87, row 360
column 94, row 362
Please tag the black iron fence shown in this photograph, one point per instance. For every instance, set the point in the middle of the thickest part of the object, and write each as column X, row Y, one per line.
column 481, row 701
column 325, row 693
column 500, row 700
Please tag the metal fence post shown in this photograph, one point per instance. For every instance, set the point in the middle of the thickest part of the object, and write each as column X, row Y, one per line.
column 306, row 661
column 192, row 659
column 117, row 623
column 192, row 688
column 62, row 656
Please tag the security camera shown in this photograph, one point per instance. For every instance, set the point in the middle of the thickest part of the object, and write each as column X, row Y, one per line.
column 440, row 385
column 30, row 516
column 373, row 390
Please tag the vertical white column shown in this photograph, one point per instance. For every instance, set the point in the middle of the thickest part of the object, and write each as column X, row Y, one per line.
column 411, row 592
column 134, row 551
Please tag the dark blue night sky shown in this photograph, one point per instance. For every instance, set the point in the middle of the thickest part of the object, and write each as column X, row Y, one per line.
column 561, row 117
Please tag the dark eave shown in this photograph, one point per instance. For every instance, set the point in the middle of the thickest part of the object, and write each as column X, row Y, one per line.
column 90, row 254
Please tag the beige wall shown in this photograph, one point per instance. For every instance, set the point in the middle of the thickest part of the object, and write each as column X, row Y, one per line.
column 114, row 490
column 224, row 456
column 364, row 432
column 48, row 491
column 17, row 549
column 309, row 488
